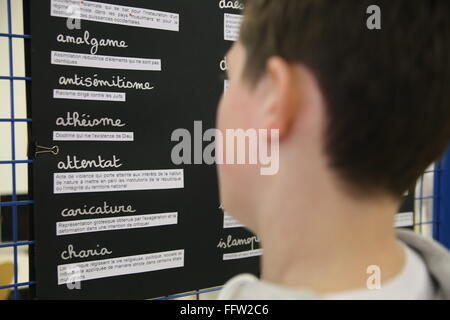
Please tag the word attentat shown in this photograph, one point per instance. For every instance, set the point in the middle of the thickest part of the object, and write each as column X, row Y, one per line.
column 115, row 82
column 74, row 119
column 105, row 209
column 93, row 42
column 73, row 162
column 71, row 253
column 223, row 4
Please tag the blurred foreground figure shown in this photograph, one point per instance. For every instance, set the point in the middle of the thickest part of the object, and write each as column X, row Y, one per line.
column 360, row 99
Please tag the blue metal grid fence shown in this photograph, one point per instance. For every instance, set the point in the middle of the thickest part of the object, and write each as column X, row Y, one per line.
column 441, row 208
column 13, row 162
column 439, row 221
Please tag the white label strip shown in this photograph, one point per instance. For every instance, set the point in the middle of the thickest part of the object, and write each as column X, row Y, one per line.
column 226, row 85
column 405, row 219
column 229, row 222
column 89, row 95
column 116, row 223
column 104, row 62
column 92, row 136
column 77, row 272
column 243, row 254
column 232, row 26
column 115, row 14
column 111, row 181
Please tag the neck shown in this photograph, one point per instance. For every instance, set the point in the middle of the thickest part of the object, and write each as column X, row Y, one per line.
column 318, row 238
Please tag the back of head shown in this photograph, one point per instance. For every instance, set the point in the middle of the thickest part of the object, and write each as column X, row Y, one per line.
column 387, row 91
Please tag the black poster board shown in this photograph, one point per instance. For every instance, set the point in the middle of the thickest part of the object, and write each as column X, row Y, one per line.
column 111, row 207
column 405, row 218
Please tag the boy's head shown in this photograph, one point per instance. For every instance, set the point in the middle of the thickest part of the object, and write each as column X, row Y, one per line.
column 372, row 107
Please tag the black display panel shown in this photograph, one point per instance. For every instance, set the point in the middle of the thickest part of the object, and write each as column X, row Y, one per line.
column 114, row 216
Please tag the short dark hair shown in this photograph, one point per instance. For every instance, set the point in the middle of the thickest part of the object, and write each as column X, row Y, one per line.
column 387, row 91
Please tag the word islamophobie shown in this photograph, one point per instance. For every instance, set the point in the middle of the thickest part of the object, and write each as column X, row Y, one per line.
column 238, row 242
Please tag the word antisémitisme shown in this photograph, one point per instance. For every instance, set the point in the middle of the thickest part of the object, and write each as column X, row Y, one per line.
column 94, row 43
column 115, row 82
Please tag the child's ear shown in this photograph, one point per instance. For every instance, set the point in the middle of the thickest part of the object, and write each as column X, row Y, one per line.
column 280, row 103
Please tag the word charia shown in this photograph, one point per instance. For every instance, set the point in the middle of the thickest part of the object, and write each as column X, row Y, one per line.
column 93, row 42
column 115, row 82
column 102, row 210
column 74, row 119
column 71, row 253
column 73, row 162
column 223, row 4
column 231, row 242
